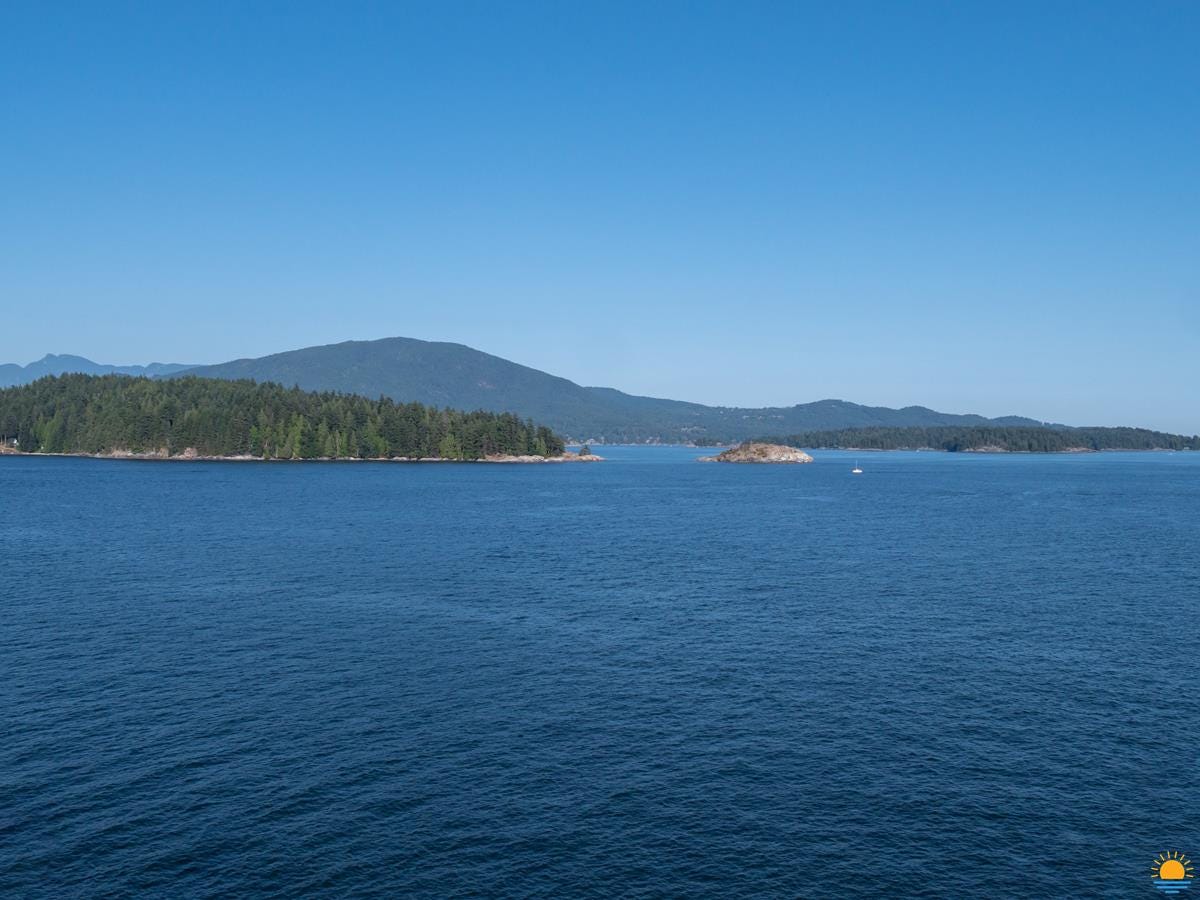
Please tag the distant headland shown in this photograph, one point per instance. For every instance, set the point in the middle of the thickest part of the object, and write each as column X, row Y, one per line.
column 993, row 439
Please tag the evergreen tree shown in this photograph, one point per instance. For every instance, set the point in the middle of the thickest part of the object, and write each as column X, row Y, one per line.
column 449, row 448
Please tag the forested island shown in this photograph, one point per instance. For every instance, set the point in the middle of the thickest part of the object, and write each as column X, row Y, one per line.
column 993, row 439
column 121, row 415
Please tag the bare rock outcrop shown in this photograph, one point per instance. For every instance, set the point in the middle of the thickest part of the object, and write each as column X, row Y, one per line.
column 753, row 452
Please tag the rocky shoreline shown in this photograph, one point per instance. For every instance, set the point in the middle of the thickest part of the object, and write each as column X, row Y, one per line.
column 565, row 458
column 191, row 455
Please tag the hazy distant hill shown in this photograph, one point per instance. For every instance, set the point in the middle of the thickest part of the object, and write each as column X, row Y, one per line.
column 12, row 375
column 457, row 376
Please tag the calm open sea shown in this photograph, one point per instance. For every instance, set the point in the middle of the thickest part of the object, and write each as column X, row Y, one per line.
column 952, row 676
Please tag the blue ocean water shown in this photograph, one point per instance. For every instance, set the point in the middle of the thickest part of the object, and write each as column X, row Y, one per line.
column 951, row 676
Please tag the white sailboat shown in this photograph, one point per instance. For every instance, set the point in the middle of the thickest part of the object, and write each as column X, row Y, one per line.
column 856, row 470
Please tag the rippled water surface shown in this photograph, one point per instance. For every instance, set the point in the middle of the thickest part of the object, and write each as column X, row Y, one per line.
column 951, row 676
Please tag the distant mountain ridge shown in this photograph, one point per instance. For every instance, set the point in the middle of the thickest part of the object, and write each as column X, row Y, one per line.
column 12, row 375
column 459, row 377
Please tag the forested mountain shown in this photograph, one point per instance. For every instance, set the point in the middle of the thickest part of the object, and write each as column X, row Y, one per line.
column 212, row 417
column 455, row 375
column 54, row 364
column 1011, row 438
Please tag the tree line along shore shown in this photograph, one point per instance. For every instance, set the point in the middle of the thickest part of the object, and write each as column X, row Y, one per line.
column 189, row 417
column 992, row 439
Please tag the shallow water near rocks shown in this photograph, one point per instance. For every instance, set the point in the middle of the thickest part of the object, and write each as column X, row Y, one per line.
column 953, row 675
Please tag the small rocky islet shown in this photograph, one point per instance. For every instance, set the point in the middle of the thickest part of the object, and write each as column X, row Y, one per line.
column 756, row 452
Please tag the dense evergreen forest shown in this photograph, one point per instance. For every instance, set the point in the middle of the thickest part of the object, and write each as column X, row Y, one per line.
column 213, row 417
column 1013, row 439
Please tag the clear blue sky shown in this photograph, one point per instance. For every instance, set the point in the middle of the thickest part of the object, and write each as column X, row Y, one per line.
column 977, row 207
